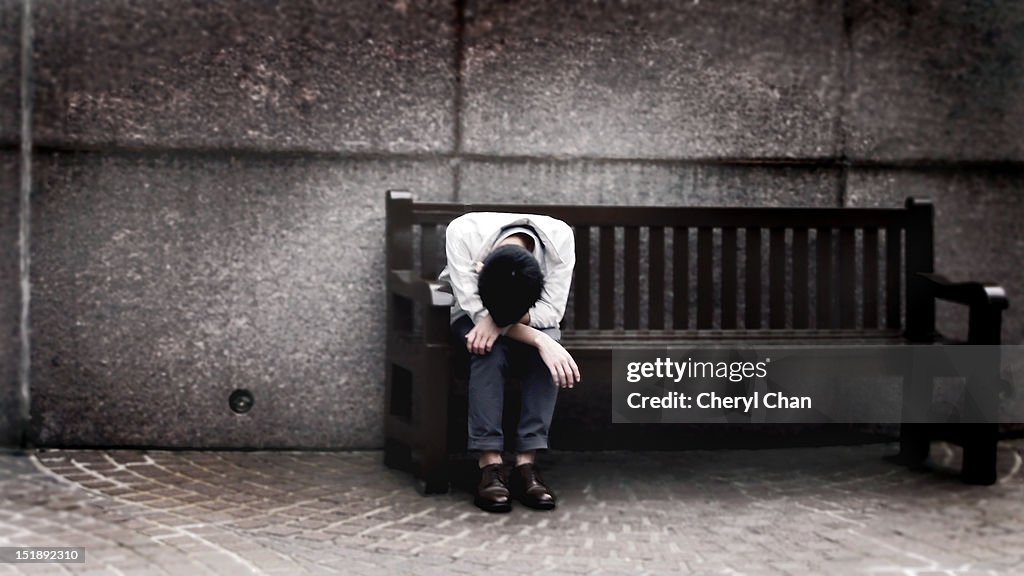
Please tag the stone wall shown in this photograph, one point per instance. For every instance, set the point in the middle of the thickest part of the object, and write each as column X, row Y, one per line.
column 10, row 191
column 208, row 182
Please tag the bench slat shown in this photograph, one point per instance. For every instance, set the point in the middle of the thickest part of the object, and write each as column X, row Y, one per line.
column 429, row 256
column 777, row 277
column 656, row 279
column 847, row 281
column 893, row 267
column 680, row 278
column 606, row 290
column 581, row 279
column 800, row 280
column 753, row 278
column 705, row 257
column 398, row 231
column 729, row 275
column 870, row 277
column 824, row 280
column 631, row 280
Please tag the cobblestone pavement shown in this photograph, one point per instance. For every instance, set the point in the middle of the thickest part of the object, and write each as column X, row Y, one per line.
column 822, row 510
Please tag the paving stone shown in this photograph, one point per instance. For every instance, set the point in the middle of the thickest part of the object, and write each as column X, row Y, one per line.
column 748, row 512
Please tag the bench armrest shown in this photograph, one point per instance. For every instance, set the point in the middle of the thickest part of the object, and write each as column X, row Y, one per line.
column 985, row 303
column 427, row 292
column 967, row 293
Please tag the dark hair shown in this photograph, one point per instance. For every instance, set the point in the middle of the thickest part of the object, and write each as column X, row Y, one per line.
column 510, row 283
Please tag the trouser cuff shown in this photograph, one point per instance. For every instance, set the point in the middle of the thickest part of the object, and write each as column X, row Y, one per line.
column 485, row 447
column 532, row 444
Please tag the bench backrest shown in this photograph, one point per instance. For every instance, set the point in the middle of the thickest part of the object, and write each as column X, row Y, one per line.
column 716, row 268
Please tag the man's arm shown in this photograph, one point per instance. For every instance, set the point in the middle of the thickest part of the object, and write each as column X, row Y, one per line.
column 464, row 278
column 564, row 371
column 549, row 310
column 462, row 271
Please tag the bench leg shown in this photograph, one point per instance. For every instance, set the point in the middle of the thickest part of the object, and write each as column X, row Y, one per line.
column 397, row 455
column 432, row 479
column 980, row 450
column 432, row 430
column 430, row 472
column 914, row 445
column 915, row 435
column 980, row 439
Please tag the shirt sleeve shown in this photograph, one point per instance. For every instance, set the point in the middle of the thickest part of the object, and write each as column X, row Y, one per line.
column 463, row 274
column 549, row 310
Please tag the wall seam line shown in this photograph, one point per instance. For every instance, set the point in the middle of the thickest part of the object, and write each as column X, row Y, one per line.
column 845, row 63
column 214, row 154
column 457, row 104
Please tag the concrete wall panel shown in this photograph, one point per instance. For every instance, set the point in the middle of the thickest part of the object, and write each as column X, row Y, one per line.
column 170, row 268
column 10, row 286
column 297, row 74
column 936, row 80
column 652, row 184
column 162, row 284
column 10, row 300
column 652, row 79
column 10, row 70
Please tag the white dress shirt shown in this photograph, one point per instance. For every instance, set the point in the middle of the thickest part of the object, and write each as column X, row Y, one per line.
column 471, row 237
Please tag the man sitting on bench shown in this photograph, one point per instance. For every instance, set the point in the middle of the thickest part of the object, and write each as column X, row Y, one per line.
column 510, row 274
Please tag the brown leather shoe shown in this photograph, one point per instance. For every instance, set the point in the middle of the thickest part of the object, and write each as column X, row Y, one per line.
column 492, row 493
column 530, row 489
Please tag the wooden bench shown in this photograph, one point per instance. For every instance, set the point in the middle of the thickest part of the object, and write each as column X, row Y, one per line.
column 802, row 282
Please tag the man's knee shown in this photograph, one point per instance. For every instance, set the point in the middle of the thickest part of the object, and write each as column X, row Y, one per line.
column 491, row 368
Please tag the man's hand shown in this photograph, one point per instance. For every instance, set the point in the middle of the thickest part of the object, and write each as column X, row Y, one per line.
column 481, row 338
column 564, row 372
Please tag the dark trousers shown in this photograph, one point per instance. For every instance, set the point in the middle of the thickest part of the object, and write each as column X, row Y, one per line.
column 487, row 377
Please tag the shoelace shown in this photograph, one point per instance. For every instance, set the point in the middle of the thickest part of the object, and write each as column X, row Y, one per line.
column 532, row 475
column 496, row 472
